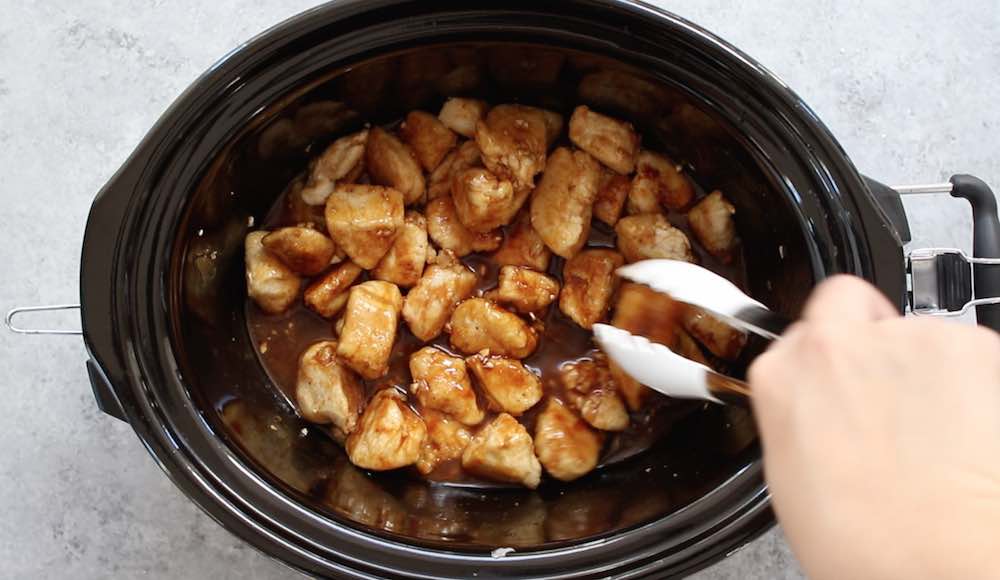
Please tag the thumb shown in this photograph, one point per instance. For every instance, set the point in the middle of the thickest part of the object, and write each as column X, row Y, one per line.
column 845, row 298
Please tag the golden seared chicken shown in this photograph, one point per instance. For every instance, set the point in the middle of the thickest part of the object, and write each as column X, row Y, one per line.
column 526, row 290
column 566, row 446
column 447, row 231
column 364, row 220
column 304, row 250
column 642, row 200
column 465, row 156
column 326, row 391
column 389, row 436
column 503, row 451
column 327, row 295
column 645, row 312
column 341, row 161
column 588, row 282
column 404, row 263
column 392, row 163
column 370, row 327
column 446, row 440
column 632, row 391
column 512, row 141
column 482, row 201
column 712, row 222
column 441, row 382
column 650, row 235
column 553, row 126
column 658, row 177
column 592, row 391
column 479, row 325
column 270, row 283
column 428, row 138
column 721, row 339
column 689, row 349
column 562, row 203
column 612, row 142
column 508, row 384
column 611, row 196
column 430, row 304
column 523, row 246
column 461, row 115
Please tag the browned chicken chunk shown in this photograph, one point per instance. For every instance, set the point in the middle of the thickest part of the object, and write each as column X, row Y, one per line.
column 650, row 235
column 304, row 250
column 428, row 138
column 364, row 220
column 508, row 384
column 392, row 163
column 523, row 246
column 566, row 446
column 721, row 339
column 465, row 156
column 659, row 177
column 270, row 283
column 591, row 389
column 389, row 436
column 588, row 282
column 479, row 324
column 327, row 295
column 632, row 391
column 326, row 391
column 503, row 451
column 645, row 312
column 611, row 196
column 526, row 290
column 712, row 222
column 404, row 262
column 461, row 115
column 512, row 140
column 562, row 204
column 482, row 201
column 370, row 327
column 642, row 200
column 446, row 440
column 448, row 232
column 430, row 304
column 343, row 160
column 612, row 142
column 441, row 382
column 553, row 126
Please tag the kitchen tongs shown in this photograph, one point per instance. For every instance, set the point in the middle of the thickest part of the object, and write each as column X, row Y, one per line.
column 658, row 367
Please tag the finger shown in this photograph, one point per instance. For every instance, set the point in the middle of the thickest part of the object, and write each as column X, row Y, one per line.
column 844, row 298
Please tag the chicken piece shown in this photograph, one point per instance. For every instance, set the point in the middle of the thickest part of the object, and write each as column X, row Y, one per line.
column 588, row 282
column 389, row 436
column 461, row 115
column 562, row 203
column 431, row 303
column 465, row 156
column 632, row 391
column 612, row 142
column 611, row 195
column 645, row 312
column 392, row 163
column 591, row 389
column 688, row 348
column 508, row 384
column 659, row 177
column 404, row 262
column 428, row 138
column 301, row 213
column 327, row 295
column 326, row 391
column 642, row 200
column 650, row 235
column 447, row 231
column 340, row 161
column 441, row 382
column 503, row 451
column 446, row 440
column 304, row 250
column 364, row 221
column 526, row 290
column 523, row 246
column 482, row 201
column 721, row 339
column 567, row 447
column 479, row 324
column 712, row 222
column 370, row 327
column 512, row 139
column 270, row 283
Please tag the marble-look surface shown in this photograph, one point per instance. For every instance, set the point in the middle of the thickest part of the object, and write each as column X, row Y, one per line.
column 910, row 88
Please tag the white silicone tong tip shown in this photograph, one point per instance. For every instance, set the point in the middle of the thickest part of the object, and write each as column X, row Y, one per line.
column 690, row 283
column 654, row 365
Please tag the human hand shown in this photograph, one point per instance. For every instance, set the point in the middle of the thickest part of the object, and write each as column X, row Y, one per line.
column 881, row 439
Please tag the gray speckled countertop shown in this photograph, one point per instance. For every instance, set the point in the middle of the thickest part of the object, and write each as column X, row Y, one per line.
column 909, row 87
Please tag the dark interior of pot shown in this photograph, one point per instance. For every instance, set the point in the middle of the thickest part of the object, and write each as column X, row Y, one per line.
column 704, row 445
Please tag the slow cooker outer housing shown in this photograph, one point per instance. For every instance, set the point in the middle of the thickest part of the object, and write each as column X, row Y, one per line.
column 130, row 240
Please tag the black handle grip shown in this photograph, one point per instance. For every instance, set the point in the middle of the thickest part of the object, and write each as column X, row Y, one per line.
column 985, row 243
